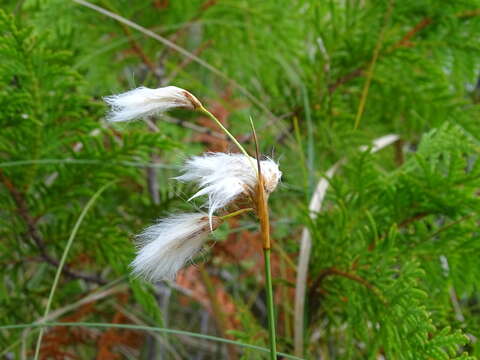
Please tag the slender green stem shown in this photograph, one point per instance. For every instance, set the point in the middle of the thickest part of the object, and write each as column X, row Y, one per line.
column 264, row 218
column 270, row 306
column 63, row 260
column 224, row 129
column 235, row 213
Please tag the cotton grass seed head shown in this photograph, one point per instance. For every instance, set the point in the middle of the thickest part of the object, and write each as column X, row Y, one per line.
column 141, row 102
column 164, row 248
column 223, row 178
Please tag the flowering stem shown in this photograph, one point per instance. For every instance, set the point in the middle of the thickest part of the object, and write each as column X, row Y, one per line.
column 265, row 229
column 270, row 305
column 263, row 216
column 211, row 116
column 235, row 213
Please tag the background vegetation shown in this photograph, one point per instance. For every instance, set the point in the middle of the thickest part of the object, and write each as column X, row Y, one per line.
column 393, row 270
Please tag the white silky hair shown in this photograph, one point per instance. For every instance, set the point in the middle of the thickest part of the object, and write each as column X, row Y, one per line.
column 142, row 101
column 165, row 247
column 224, row 177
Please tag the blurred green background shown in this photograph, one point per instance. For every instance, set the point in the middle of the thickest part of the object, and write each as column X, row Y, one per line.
column 393, row 268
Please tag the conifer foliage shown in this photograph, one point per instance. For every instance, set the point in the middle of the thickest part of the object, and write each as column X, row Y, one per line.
column 393, row 268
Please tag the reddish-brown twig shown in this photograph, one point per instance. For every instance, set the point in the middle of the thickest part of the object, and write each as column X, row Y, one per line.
column 35, row 235
column 405, row 41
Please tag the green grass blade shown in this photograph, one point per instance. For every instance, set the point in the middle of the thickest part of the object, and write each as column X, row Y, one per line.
column 145, row 328
column 64, row 258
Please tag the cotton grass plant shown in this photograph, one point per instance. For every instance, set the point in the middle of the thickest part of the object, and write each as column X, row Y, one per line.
column 232, row 183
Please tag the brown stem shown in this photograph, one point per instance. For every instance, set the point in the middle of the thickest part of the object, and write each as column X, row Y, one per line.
column 399, row 156
column 453, row 223
column 138, row 50
column 334, row 271
column 315, row 288
column 263, row 216
column 346, row 78
column 405, row 41
column 186, row 62
column 413, row 218
column 468, row 14
column 177, row 34
column 401, row 43
column 37, row 237
column 261, row 199
column 402, row 224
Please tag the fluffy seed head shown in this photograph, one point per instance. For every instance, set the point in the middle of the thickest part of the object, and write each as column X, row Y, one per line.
column 164, row 248
column 142, row 101
column 271, row 175
column 224, row 177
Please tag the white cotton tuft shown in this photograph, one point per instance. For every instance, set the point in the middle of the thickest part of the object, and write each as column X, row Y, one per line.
column 164, row 248
column 271, row 174
column 142, row 101
column 224, row 177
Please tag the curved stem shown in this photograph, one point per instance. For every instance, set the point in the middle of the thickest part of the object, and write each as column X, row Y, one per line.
column 142, row 328
column 63, row 260
column 270, row 305
column 224, row 129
